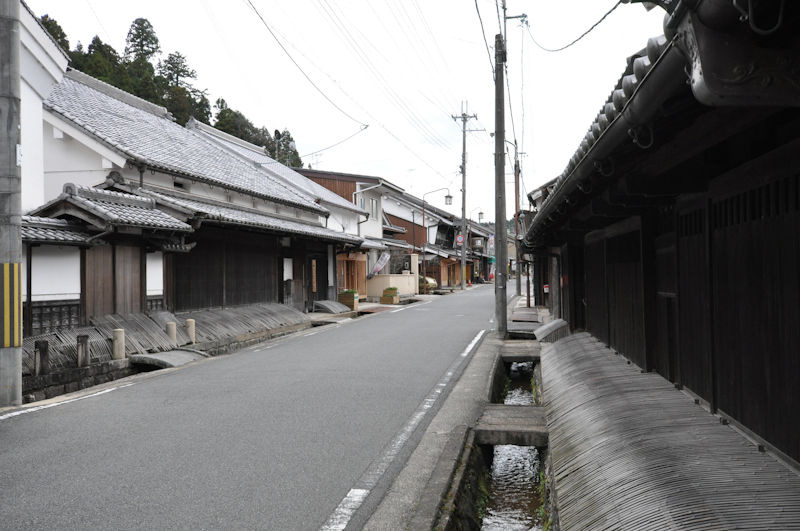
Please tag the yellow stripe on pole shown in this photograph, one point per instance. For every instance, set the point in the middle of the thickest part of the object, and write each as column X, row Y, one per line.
column 6, row 304
column 17, row 308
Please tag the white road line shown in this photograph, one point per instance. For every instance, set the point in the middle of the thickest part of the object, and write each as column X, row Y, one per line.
column 48, row 406
column 395, row 311
column 339, row 519
column 342, row 515
column 311, row 334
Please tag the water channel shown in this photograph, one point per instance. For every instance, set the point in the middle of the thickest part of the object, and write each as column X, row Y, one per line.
column 514, row 477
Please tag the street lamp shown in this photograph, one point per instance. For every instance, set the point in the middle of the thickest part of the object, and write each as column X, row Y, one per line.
column 448, row 200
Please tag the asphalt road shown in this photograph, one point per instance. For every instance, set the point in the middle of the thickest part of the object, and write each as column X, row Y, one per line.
column 301, row 433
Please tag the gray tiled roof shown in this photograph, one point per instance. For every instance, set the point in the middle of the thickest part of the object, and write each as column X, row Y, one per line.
column 47, row 230
column 123, row 209
column 219, row 211
column 142, row 133
column 301, row 182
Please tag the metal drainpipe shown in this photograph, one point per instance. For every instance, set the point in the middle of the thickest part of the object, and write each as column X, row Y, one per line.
column 557, row 256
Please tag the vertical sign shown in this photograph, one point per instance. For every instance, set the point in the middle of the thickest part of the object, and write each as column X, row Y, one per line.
column 10, row 309
column 313, row 275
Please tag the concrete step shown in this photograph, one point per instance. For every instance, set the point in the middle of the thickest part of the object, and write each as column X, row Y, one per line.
column 520, row 425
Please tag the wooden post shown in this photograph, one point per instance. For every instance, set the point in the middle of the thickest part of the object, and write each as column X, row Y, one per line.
column 83, row 350
column 42, row 352
column 190, row 329
column 118, row 349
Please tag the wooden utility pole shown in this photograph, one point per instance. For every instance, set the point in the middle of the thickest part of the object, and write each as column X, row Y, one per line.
column 501, row 245
column 10, row 207
column 464, row 119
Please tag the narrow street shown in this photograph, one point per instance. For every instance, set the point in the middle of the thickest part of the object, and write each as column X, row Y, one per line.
column 304, row 433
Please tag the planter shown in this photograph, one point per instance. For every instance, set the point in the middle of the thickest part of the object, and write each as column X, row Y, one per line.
column 390, row 300
column 350, row 300
column 391, row 292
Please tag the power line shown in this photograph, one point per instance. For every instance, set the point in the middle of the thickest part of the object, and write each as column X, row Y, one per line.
column 297, row 65
column 397, row 101
column 363, row 128
column 351, row 98
column 579, row 38
column 483, row 33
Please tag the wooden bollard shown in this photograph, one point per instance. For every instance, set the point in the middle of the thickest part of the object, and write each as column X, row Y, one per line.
column 191, row 330
column 83, row 350
column 118, row 349
column 172, row 332
column 42, row 353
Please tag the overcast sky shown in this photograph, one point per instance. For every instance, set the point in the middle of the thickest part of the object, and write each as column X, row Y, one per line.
column 402, row 67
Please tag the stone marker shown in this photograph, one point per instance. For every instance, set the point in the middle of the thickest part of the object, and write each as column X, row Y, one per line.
column 118, row 350
column 190, row 330
column 83, row 350
column 42, row 350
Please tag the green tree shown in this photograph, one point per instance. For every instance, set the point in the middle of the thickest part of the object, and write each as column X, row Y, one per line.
column 143, row 78
column 175, row 70
column 179, row 102
column 55, row 31
column 141, row 42
column 101, row 61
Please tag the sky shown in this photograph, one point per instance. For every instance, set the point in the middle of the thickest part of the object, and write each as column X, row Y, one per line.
column 402, row 68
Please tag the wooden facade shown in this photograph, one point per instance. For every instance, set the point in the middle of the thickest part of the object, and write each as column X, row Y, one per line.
column 684, row 254
column 113, row 279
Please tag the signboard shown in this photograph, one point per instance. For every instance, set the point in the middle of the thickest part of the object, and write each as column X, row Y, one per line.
column 491, row 242
column 313, row 276
column 460, row 239
column 547, row 288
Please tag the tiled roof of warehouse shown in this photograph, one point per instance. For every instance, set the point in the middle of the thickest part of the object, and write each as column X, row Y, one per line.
column 117, row 208
column 246, row 216
column 146, row 133
column 271, row 165
column 47, row 230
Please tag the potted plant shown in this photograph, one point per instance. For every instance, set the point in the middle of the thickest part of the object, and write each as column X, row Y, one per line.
column 349, row 298
column 390, row 296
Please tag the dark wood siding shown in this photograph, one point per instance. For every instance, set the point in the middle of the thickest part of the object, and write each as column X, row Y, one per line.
column 414, row 235
column 127, row 281
column 694, row 293
column 226, row 268
column 596, row 293
column 344, row 189
column 666, row 317
column 99, row 284
column 756, row 265
column 626, row 323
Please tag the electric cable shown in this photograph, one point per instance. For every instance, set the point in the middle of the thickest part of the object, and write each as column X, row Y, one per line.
column 396, row 100
column 579, row 38
column 297, row 65
column 363, row 128
column 483, row 33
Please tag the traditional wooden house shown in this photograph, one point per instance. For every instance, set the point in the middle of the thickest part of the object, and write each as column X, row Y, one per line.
column 369, row 194
column 673, row 235
column 191, row 224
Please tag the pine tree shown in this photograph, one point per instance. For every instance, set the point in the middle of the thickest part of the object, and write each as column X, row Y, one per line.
column 141, row 42
column 55, row 31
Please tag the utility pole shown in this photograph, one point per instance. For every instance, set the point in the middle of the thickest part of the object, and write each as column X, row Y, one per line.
column 501, row 245
column 516, row 219
column 10, row 207
column 464, row 119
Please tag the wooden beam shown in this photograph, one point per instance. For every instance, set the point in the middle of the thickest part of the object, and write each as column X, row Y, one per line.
column 622, row 198
column 601, row 207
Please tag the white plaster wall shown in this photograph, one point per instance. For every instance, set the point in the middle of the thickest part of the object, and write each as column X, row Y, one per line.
column 66, row 160
column 56, row 273
column 155, row 273
column 373, row 228
column 32, row 165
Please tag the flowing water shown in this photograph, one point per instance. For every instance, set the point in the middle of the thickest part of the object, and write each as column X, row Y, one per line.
column 514, row 478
